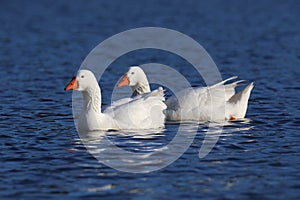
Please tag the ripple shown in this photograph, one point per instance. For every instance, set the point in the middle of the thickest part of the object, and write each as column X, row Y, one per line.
column 42, row 155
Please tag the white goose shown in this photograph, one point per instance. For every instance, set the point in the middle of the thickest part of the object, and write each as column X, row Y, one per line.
column 141, row 112
column 196, row 104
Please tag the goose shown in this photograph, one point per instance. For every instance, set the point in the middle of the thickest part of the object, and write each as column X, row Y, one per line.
column 196, row 104
column 141, row 112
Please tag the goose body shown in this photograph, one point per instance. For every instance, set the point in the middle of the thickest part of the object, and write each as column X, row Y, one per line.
column 140, row 112
column 212, row 103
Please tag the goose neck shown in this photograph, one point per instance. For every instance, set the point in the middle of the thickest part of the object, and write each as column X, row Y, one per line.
column 140, row 88
column 92, row 99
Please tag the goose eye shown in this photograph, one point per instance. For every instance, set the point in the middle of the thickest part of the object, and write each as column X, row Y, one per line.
column 132, row 73
column 82, row 76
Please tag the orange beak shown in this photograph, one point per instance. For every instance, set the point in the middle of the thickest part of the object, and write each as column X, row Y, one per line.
column 124, row 81
column 73, row 85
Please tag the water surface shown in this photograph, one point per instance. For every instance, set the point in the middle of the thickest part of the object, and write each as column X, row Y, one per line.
column 43, row 44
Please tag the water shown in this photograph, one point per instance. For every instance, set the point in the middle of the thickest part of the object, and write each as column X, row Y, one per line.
column 43, row 44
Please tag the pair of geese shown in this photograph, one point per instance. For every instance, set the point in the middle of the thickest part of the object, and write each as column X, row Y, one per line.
column 148, row 109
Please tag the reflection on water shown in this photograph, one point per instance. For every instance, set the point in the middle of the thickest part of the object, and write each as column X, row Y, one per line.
column 147, row 150
column 139, row 151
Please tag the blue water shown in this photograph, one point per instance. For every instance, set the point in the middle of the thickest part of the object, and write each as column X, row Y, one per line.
column 43, row 44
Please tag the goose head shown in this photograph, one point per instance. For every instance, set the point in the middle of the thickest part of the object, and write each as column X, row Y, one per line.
column 83, row 81
column 137, row 79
